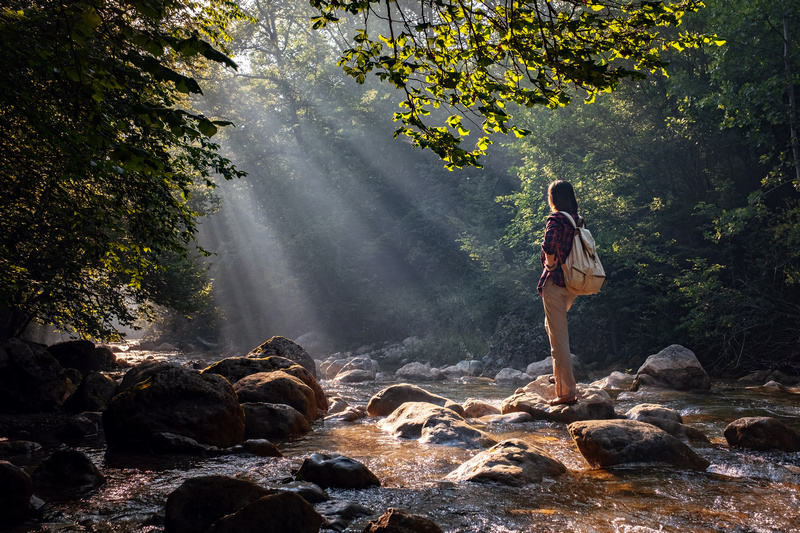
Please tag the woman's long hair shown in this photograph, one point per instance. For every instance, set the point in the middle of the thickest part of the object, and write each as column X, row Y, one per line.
column 561, row 197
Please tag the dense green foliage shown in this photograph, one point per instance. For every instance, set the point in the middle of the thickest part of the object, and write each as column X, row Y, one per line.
column 100, row 156
column 475, row 59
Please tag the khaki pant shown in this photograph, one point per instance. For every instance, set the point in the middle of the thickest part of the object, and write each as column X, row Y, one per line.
column 557, row 301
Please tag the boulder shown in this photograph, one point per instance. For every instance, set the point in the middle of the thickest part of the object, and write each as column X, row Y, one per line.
column 477, row 408
column 545, row 367
column 16, row 489
column 512, row 463
column 351, row 414
column 358, row 369
column 18, row 447
column 615, row 381
column 273, row 420
column 605, row 443
column 676, row 429
column 283, row 347
column 93, row 394
column 201, row 501
column 337, row 471
column 516, row 340
column 511, row 377
column 398, row 521
column 175, row 400
column 277, row 513
column 66, row 475
column 338, row 515
column 337, row 405
column 593, row 403
column 762, row 433
column 332, row 365
column 392, row 397
column 86, row 424
column 259, row 447
column 278, row 387
column 310, row 492
column 236, row 368
column 142, row 371
column 434, row 425
column 674, row 367
column 651, row 410
column 418, row 372
column 31, row 379
column 83, row 356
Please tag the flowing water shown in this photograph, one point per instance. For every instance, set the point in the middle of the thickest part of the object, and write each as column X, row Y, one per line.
column 741, row 491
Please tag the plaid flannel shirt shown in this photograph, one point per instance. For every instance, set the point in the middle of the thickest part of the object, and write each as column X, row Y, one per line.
column 558, row 237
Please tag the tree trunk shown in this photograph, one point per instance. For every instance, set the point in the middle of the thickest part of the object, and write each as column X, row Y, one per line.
column 787, row 61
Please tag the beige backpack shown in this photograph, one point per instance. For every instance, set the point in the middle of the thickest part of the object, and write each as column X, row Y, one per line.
column 583, row 272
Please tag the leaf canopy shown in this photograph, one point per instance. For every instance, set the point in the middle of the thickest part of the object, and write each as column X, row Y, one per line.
column 473, row 58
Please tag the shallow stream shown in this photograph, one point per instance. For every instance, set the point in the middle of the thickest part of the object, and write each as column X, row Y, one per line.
column 741, row 491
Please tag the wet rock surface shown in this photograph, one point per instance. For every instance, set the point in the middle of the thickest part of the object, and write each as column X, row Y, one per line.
column 334, row 470
column 175, row 400
column 762, row 433
column 511, row 463
column 606, row 443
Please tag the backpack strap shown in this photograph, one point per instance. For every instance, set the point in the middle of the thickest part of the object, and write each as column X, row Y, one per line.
column 572, row 220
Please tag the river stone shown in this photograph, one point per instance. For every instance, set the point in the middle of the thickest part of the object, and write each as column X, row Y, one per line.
column 236, row 368
column 282, row 512
column 16, row 489
column 273, row 420
column 545, row 367
column 762, row 433
column 175, row 400
column 515, row 342
column 593, row 403
column 201, row 501
column 283, row 347
column 392, row 397
column 337, row 471
column 93, row 394
column 399, row 521
column 83, row 355
column 676, row 429
column 605, row 443
column 66, row 475
column 652, row 410
column 278, row 387
column 675, row 367
column 332, row 365
column 142, row 371
column 338, row 515
column 31, row 380
column 417, row 371
column 358, row 369
column 615, row 381
column 259, row 447
column 351, row 414
column 337, row 405
column 432, row 424
column 18, row 447
column 477, row 408
column 511, row 377
column 86, row 424
column 512, row 463
column 310, row 492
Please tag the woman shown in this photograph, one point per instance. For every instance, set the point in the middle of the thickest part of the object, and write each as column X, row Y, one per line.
column 557, row 245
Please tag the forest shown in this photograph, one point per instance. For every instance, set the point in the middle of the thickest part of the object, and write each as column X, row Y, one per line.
column 339, row 197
